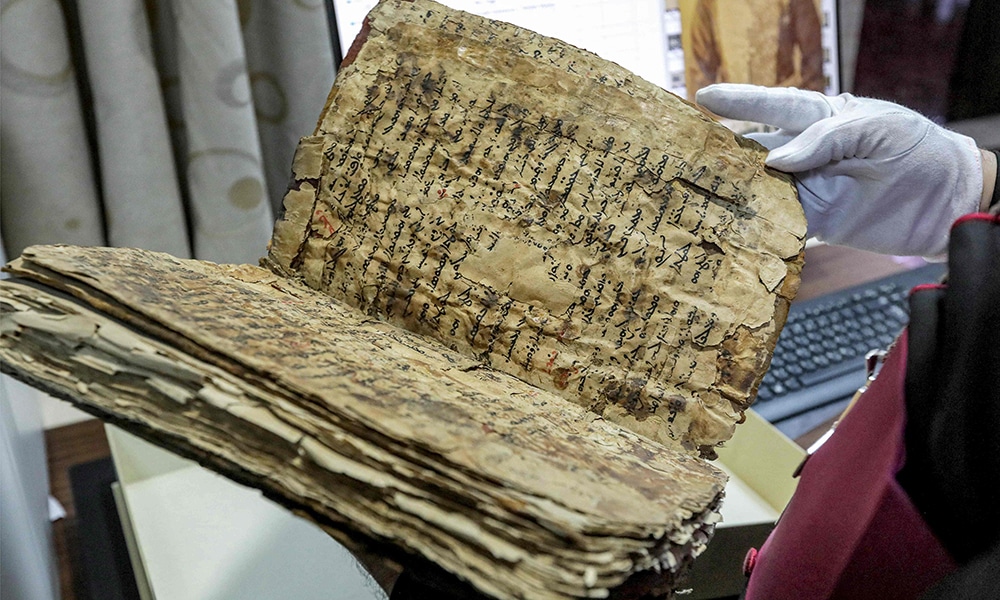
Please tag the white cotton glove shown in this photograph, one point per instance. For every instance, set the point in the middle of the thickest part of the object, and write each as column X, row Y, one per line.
column 871, row 174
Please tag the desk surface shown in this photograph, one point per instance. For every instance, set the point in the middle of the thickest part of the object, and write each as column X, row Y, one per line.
column 831, row 268
column 194, row 535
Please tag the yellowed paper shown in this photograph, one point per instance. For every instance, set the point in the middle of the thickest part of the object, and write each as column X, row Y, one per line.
column 547, row 213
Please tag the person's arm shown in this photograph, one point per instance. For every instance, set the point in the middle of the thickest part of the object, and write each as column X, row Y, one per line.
column 991, row 183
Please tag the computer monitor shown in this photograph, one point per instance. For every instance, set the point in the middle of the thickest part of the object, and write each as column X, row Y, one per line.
column 749, row 41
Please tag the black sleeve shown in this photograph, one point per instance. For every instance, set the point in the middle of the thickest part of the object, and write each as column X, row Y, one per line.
column 978, row 580
column 953, row 397
column 995, row 200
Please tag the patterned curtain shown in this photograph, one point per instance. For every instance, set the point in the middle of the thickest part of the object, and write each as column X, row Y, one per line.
column 161, row 124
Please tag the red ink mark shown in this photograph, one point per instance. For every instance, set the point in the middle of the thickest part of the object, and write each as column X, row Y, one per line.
column 442, row 193
column 299, row 345
column 552, row 361
column 517, row 185
column 487, row 428
column 562, row 375
column 319, row 215
column 566, row 333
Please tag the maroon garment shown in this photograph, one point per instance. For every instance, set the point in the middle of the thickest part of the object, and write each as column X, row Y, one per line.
column 850, row 531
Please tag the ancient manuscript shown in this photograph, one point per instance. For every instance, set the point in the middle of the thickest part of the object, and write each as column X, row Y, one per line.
column 516, row 296
column 546, row 212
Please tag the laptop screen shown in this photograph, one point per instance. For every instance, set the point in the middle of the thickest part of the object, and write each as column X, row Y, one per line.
column 656, row 39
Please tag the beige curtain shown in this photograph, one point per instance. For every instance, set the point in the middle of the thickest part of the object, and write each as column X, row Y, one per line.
column 161, row 124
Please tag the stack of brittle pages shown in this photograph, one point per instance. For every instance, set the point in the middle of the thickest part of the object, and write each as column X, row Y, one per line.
column 515, row 300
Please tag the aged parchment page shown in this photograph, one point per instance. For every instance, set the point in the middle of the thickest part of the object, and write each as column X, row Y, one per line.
column 390, row 441
column 549, row 214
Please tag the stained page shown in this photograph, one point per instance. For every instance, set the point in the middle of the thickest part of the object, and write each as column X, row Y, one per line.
column 549, row 214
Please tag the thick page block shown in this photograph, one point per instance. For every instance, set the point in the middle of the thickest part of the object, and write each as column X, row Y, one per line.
column 392, row 442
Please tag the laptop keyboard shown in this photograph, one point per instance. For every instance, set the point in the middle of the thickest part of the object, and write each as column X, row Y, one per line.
column 819, row 361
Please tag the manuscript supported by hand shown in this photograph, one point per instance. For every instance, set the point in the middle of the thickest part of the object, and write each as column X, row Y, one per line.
column 549, row 214
column 492, row 240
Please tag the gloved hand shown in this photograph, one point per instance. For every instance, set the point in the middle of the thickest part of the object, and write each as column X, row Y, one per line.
column 871, row 174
